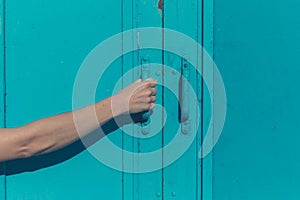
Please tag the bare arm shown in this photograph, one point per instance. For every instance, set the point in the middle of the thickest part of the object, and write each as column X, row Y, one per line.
column 50, row 134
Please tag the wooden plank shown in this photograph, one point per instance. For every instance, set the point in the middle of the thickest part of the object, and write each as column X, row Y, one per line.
column 148, row 185
column 2, row 90
column 47, row 42
column 208, row 44
column 180, row 178
column 129, row 184
column 144, row 185
column 257, row 51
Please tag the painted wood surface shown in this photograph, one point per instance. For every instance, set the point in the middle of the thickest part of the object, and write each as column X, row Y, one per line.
column 46, row 44
column 2, row 91
column 182, row 179
column 255, row 45
column 257, row 50
column 44, row 52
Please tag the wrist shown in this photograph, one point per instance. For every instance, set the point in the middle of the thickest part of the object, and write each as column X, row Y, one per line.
column 105, row 110
column 117, row 107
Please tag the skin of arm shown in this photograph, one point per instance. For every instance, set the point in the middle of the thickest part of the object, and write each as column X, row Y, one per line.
column 52, row 133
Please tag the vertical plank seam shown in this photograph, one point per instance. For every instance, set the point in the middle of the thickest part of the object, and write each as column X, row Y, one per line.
column 4, row 82
column 213, row 57
column 163, row 99
column 122, row 72
column 202, row 93
column 199, row 82
column 136, row 24
column 208, row 34
column 132, row 139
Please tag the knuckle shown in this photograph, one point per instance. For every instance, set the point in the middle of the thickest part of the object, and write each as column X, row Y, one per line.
column 146, row 84
column 148, row 99
column 149, row 92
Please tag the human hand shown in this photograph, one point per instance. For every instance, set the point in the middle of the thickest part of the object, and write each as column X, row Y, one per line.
column 138, row 97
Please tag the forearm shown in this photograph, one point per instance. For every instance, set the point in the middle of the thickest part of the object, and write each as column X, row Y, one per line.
column 50, row 134
column 55, row 132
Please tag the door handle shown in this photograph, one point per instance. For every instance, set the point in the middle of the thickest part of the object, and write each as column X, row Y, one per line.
column 145, row 74
column 184, row 88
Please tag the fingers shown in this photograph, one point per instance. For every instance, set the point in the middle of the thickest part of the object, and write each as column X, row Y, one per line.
column 152, row 106
column 142, row 95
column 147, row 92
column 151, row 82
column 145, row 88
column 148, row 83
column 153, row 91
column 152, row 99
column 146, row 100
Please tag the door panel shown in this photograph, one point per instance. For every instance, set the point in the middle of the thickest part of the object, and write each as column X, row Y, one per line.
column 206, row 190
column 45, row 48
column 46, row 44
column 181, row 178
column 129, row 189
column 257, row 51
column 144, row 185
column 255, row 45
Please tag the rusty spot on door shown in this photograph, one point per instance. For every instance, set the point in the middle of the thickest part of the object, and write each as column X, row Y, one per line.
column 160, row 4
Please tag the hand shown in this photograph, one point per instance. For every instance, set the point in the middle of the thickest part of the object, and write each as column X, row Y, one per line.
column 138, row 97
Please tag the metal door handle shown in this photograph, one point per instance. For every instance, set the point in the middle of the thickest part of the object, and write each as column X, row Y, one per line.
column 184, row 96
column 145, row 74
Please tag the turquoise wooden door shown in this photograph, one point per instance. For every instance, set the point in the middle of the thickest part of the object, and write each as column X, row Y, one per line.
column 44, row 49
column 255, row 46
